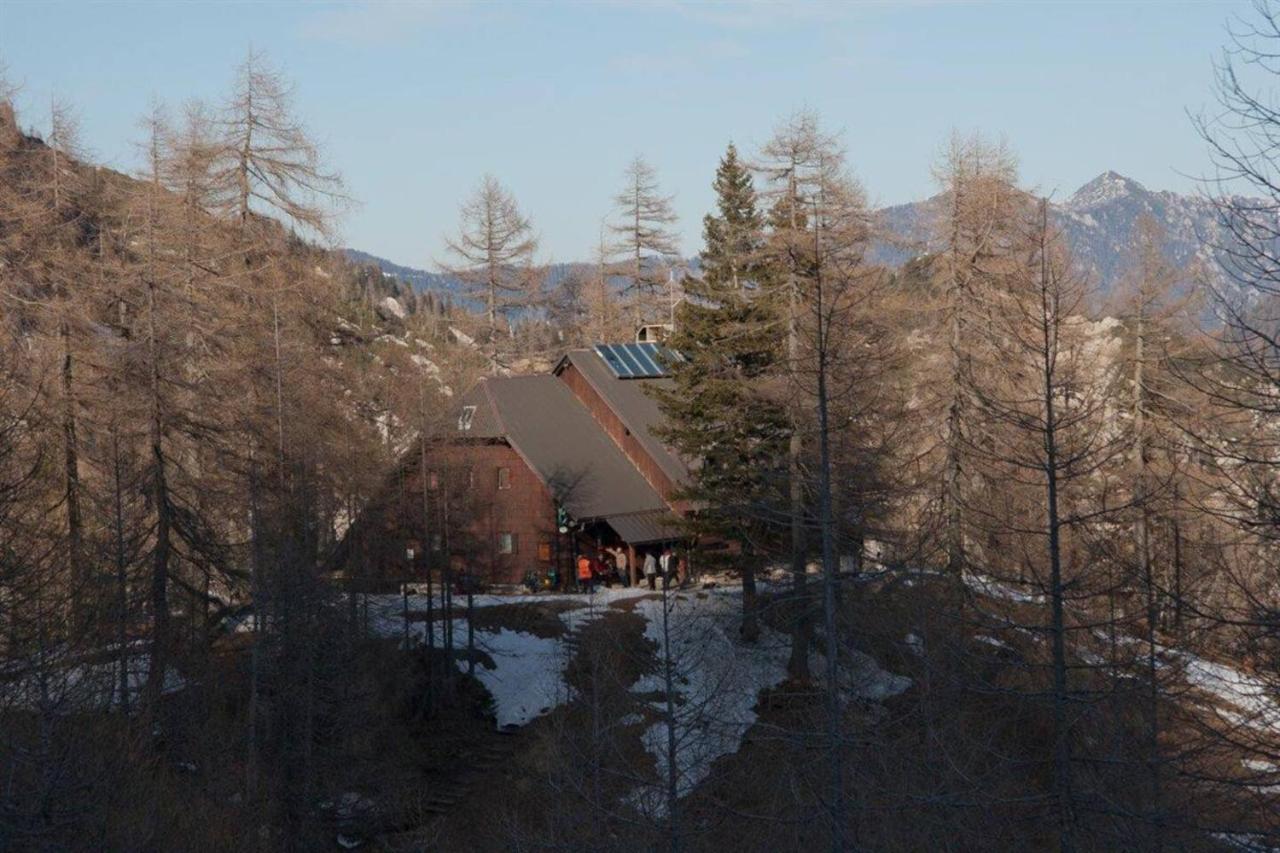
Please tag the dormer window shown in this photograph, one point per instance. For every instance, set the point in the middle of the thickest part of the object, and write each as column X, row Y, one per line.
column 464, row 419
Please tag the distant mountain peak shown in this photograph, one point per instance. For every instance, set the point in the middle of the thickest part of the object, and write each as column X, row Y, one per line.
column 1103, row 189
column 1099, row 222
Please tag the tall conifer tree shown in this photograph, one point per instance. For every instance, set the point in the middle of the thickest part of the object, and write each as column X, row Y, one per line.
column 719, row 409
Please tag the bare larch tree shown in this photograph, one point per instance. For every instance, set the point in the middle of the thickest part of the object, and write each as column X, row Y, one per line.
column 642, row 225
column 494, row 248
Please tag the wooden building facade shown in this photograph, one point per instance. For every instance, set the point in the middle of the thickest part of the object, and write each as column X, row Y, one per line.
column 484, row 498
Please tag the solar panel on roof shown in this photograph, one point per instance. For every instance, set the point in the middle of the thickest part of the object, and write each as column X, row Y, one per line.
column 658, row 356
column 634, row 361
column 627, row 353
column 646, row 355
column 611, row 358
column 606, row 352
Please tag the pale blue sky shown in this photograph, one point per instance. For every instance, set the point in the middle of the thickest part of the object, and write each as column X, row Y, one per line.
column 413, row 102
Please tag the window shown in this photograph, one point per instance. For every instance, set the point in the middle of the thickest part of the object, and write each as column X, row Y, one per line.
column 506, row 543
column 464, row 419
column 504, row 478
column 433, row 480
column 544, row 551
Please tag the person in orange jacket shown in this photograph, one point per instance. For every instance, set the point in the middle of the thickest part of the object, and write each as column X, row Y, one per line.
column 586, row 577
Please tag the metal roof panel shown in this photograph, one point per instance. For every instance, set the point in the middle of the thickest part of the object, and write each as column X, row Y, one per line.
column 629, row 400
column 560, row 440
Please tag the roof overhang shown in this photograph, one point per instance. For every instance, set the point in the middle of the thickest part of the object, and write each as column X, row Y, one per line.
column 640, row 528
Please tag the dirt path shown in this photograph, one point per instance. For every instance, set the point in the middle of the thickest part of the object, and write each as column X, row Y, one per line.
column 510, row 786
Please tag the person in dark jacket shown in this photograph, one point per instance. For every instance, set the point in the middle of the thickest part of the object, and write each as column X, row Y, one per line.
column 604, row 568
column 667, row 566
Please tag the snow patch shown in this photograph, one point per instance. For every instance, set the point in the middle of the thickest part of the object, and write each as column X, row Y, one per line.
column 995, row 589
column 527, row 677
column 524, row 673
column 716, row 681
column 861, row 677
column 74, row 688
column 1250, row 695
column 1247, row 842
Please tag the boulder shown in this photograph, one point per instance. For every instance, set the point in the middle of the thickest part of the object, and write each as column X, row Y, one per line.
column 390, row 309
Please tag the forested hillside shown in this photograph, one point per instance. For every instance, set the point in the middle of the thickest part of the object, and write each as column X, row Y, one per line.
column 197, row 397
column 971, row 555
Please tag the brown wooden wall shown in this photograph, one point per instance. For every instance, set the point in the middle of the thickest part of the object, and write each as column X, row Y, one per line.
column 618, row 431
column 479, row 510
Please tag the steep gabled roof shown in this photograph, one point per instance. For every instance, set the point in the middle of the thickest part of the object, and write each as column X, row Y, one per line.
column 556, row 436
column 637, row 410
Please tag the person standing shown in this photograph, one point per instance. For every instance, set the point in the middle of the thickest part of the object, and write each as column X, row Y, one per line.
column 604, row 568
column 586, row 580
column 665, row 567
column 620, row 560
column 651, row 569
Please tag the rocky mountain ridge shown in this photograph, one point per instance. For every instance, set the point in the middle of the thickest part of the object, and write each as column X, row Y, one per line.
column 1100, row 223
column 1099, row 220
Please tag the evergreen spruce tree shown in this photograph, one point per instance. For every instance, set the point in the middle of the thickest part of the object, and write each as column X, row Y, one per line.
column 732, row 238
column 719, row 410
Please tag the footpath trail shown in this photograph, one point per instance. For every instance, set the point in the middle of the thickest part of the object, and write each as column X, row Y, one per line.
column 531, row 659
column 581, row 698
column 479, row 769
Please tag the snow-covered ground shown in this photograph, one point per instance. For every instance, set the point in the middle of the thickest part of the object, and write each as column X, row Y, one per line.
column 1264, row 776
column 1246, row 842
column 79, row 687
column 1254, row 699
column 603, row 597
column 716, row 682
column 526, row 678
column 996, row 589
